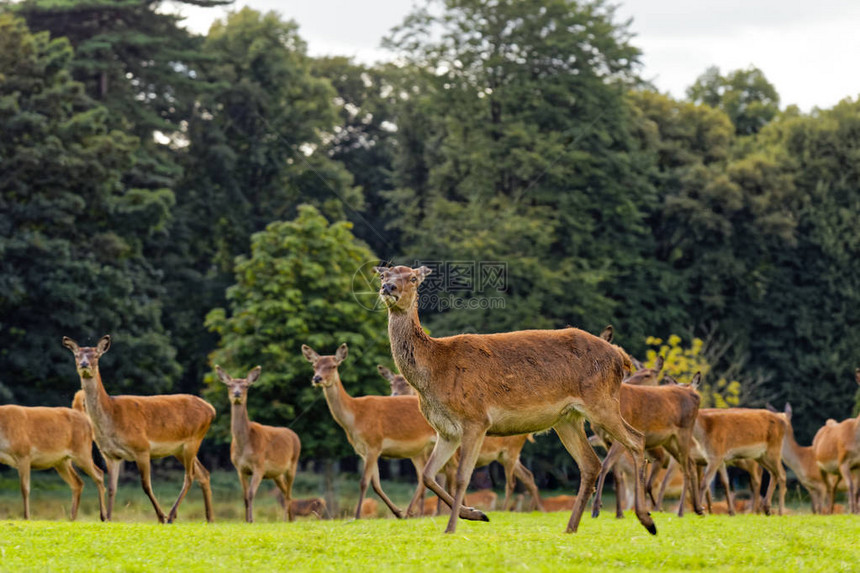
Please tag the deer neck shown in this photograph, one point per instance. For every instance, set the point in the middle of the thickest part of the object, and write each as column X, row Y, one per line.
column 99, row 406
column 341, row 404
column 240, row 425
column 799, row 458
column 409, row 345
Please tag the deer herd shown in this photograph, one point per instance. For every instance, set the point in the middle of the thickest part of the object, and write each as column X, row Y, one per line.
column 459, row 402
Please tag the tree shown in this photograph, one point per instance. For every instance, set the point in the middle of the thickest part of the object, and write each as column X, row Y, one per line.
column 71, row 260
column 746, row 96
column 295, row 288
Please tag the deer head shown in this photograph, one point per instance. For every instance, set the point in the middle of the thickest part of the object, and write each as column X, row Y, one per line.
column 694, row 383
column 87, row 357
column 237, row 388
column 399, row 289
column 399, row 385
column 325, row 367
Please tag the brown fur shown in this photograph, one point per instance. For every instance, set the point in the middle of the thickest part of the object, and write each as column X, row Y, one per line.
column 257, row 451
column 484, row 499
column 837, row 452
column 505, row 384
column 646, row 376
column 376, row 426
column 559, row 503
column 726, row 434
column 368, row 509
column 44, row 438
column 140, row 428
column 801, row 460
column 306, row 507
column 666, row 415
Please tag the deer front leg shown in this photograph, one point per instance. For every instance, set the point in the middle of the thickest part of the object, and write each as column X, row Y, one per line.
column 201, row 474
column 143, row 466
column 369, row 463
column 727, row 485
column 377, row 487
column 71, row 477
column 845, row 472
column 667, row 477
column 285, row 484
column 442, row 452
column 572, row 436
column 24, row 480
column 256, row 479
column 417, row 503
column 89, row 468
column 615, row 451
column 524, row 475
column 470, row 447
column 705, row 484
column 113, row 466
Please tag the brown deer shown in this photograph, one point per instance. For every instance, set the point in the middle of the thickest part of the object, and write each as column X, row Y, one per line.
column 259, row 452
column 645, row 376
column 505, row 384
column 306, row 507
column 666, row 415
column 503, row 449
column 140, row 428
column 483, row 499
column 376, row 426
column 726, row 434
column 837, row 451
column 801, row 460
column 559, row 503
column 43, row 438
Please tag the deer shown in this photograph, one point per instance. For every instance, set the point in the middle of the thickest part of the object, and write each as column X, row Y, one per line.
column 666, row 415
column 837, row 451
column 484, row 499
column 505, row 450
column 559, row 503
column 376, row 426
column 473, row 385
column 643, row 376
column 42, row 438
column 142, row 428
column 259, row 452
column 727, row 434
column 306, row 507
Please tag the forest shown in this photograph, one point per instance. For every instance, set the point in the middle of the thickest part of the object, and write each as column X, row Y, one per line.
column 223, row 198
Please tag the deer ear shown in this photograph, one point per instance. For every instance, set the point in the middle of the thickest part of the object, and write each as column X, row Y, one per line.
column 222, row 376
column 70, row 344
column 788, row 410
column 310, row 354
column 608, row 333
column 769, row 407
column 658, row 364
column 669, row 380
column 385, row 372
column 341, row 353
column 422, row 272
column 697, row 379
column 637, row 364
column 379, row 270
column 254, row 375
column 104, row 344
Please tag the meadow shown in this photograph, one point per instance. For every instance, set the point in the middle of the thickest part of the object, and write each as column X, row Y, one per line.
column 511, row 541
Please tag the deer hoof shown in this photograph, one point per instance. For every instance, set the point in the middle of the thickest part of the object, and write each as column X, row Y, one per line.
column 473, row 514
column 652, row 529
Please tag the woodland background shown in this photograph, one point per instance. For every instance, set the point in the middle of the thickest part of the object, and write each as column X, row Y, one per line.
column 218, row 198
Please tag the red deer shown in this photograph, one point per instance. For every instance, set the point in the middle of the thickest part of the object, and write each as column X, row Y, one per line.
column 837, row 451
column 483, row 499
column 559, row 503
column 801, row 460
column 43, row 438
column 140, row 428
column 505, row 384
column 727, row 434
column 503, row 449
column 306, row 507
column 368, row 508
column 376, row 426
column 666, row 415
column 259, row 452
column 645, row 376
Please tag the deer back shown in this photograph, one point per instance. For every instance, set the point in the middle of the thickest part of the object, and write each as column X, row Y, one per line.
column 653, row 409
column 162, row 419
column 393, row 423
column 45, row 434
column 278, row 447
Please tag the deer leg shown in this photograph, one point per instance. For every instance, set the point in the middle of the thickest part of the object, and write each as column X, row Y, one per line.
column 845, row 472
column 71, row 477
column 369, row 462
column 618, row 478
column 470, row 448
column 201, row 474
column 188, row 457
column 510, row 482
column 634, row 441
column 612, row 456
column 416, row 505
column 88, row 467
column 667, row 477
column 442, row 452
column 680, row 451
column 113, row 466
column 146, row 481
column 377, row 487
column 754, row 471
column 24, row 479
column 285, row 484
column 727, row 485
column 649, row 484
column 256, row 480
column 572, row 436
column 524, row 475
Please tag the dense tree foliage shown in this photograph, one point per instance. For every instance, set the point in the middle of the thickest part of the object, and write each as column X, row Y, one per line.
column 144, row 170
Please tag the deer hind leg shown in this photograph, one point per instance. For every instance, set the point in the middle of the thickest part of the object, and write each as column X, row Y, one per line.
column 367, row 470
column 845, row 472
column 143, row 466
column 285, row 484
column 85, row 462
column 377, row 487
column 24, row 479
column 705, row 483
column 113, row 466
column 667, row 477
column 510, row 482
column 71, row 477
column 442, row 452
column 188, row 457
column 727, row 485
column 524, row 475
column 470, row 448
column 615, row 452
column 416, row 505
column 572, row 436
column 201, row 474
column 634, row 441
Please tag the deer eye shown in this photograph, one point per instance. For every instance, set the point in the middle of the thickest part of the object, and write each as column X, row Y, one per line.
column 414, row 279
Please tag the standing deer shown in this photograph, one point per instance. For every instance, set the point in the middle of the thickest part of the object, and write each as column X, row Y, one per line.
column 43, row 438
column 258, row 451
column 503, row 449
column 376, row 426
column 727, row 434
column 472, row 385
column 140, row 428
column 667, row 416
column 837, row 451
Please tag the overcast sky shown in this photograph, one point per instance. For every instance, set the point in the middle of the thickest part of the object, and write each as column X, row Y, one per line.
column 807, row 49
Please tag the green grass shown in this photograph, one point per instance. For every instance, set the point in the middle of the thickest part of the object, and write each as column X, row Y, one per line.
column 510, row 542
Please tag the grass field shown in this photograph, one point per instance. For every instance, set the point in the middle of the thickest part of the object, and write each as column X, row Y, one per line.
column 510, row 542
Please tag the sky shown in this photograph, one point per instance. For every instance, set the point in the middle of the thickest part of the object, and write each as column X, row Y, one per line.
column 807, row 49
